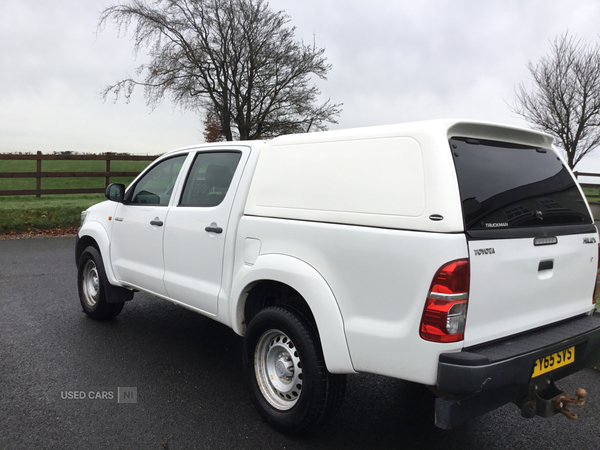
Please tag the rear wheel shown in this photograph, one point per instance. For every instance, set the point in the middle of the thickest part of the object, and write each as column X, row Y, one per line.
column 286, row 372
column 93, row 286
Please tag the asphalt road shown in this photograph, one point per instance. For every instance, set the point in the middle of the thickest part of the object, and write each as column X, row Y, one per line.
column 161, row 374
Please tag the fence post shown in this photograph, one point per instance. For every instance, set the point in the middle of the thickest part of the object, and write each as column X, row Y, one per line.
column 38, row 179
column 107, row 181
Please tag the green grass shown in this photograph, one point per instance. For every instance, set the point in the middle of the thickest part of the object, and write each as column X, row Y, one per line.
column 590, row 192
column 27, row 213
column 67, row 166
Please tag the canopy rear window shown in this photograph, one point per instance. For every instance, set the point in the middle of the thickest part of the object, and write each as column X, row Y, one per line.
column 504, row 185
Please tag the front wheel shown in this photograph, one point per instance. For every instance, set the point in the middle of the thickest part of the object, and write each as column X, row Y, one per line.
column 93, row 286
column 285, row 369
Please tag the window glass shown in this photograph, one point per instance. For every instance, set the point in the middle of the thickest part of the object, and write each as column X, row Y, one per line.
column 209, row 178
column 156, row 186
column 505, row 185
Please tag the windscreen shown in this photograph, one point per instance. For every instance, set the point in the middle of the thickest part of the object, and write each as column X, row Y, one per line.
column 504, row 185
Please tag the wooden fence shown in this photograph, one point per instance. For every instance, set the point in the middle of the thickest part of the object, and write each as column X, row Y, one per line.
column 39, row 174
column 585, row 174
column 107, row 174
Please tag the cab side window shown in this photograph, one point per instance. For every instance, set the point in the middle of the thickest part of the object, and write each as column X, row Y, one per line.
column 156, row 186
column 209, row 178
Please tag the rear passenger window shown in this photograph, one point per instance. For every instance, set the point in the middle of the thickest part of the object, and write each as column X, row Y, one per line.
column 209, row 178
column 505, row 185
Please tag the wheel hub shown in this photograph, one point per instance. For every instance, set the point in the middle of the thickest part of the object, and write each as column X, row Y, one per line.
column 91, row 283
column 284, row 367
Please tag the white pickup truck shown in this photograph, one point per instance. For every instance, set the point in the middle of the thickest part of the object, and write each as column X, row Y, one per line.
column 458, row 255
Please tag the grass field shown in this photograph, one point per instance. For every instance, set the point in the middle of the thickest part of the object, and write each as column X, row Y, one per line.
column 26, row 213
column 66, row 166
column 591, row 191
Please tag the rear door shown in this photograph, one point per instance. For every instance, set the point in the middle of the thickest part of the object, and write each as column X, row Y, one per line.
column 532, row 242
column 196, row 228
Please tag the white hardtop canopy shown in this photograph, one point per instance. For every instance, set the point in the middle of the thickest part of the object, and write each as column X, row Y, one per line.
column 394, row 176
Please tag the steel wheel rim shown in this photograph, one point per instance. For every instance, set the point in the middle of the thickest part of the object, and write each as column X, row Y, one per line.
column 90, row 283
column 278, row 369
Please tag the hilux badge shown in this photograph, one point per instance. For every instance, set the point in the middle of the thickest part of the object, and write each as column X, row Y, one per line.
column 589, row 240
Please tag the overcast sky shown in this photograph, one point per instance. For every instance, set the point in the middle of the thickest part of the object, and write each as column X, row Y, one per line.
column 392, row 61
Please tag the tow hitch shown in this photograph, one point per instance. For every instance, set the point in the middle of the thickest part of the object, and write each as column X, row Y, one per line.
column 546, row 400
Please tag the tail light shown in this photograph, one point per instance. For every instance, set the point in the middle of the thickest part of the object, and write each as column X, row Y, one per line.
column 445, row 312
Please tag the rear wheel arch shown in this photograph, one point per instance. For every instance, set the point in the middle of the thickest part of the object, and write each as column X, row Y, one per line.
column 266, row 293
column 280, row 280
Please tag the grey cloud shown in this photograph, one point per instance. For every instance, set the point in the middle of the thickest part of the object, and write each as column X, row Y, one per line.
column 392, row 61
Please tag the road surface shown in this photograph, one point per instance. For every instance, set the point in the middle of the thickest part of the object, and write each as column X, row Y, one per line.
column 160, row 375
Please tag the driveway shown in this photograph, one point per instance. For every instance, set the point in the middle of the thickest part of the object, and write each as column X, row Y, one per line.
column 160, row 376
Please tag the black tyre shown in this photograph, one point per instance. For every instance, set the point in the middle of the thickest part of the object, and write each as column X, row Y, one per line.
column 285, row 369
column 93, row 286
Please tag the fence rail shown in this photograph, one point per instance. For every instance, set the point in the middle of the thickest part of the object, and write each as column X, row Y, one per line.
column 106, row 174
column 38, row 174
column 585, row 174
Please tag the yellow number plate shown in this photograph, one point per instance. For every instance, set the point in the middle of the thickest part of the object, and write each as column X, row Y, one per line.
column 553, row 361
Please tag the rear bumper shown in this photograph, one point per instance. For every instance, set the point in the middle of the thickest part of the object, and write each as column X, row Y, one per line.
column 482, row 378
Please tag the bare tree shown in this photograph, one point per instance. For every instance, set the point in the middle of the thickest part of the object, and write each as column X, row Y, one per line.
column 565, row 99
column 234, row 60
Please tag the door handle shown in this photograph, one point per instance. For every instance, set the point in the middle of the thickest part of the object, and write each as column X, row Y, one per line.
column 156, row 222
column 213, row 228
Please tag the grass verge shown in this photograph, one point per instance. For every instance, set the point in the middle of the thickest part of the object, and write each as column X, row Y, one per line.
column 27, row 213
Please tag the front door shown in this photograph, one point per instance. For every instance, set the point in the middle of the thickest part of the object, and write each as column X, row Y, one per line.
column 138, row 227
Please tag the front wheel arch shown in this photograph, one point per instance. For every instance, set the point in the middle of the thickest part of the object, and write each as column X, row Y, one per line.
column 94, row 288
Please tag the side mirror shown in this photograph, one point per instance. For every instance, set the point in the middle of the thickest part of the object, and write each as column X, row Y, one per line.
column 115, row 192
